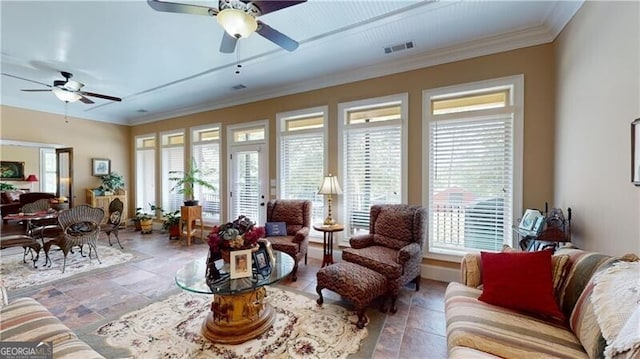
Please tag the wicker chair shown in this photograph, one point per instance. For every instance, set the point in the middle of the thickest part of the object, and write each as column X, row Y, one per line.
column 113, row 222
column 297, row 215
column 80, row 226
column 393, row 246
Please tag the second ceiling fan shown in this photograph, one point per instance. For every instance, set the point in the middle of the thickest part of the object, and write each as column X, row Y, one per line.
column 239, row 18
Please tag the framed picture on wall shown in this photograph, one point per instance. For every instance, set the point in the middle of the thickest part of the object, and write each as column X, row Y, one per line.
column 635, row 152
column 11, row 170
column 101, row 166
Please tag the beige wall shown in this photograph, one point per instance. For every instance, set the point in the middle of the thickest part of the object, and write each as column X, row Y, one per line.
column 89, row 139
column 598, row 95
column 536, row 63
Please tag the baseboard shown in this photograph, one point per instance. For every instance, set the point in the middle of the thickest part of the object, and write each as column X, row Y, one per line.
column 428, row 271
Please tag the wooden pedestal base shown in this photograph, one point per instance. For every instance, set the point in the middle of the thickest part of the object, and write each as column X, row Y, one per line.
column 237, row 318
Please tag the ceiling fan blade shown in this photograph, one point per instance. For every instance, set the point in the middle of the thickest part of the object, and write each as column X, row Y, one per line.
column 276, row 37
column 179, row 8
column 22, row 78
column 106, row 97
column 33, row 90
column 86, row 100
column 267, row 6
column 228, row 44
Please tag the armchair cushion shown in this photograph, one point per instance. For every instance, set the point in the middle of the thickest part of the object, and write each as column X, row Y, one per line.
column 361, row 241
column 381, row 259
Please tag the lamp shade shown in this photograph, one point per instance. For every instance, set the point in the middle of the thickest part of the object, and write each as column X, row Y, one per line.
column 237, row 23
column 31, row 178
column 330, row 185
column 65, row 95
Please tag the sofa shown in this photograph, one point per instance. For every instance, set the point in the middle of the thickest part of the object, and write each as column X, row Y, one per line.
column 26, row 320
column 12, row 201
column 598, row 297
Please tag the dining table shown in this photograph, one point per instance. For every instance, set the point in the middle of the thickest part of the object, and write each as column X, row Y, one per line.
column 28, row 219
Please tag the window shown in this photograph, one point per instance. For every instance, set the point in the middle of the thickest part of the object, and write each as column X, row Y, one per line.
column 205, row 142
column 301, row 157
column 172, row 156
column 48, row 170
column 473, row 153
column 373, row 155
column 145, row 171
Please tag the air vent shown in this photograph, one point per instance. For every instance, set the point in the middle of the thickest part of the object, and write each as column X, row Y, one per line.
column 399, row 47
column 142, row 110
column 239, row 87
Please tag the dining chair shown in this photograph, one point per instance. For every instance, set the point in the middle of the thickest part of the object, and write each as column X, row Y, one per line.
column 114, row 221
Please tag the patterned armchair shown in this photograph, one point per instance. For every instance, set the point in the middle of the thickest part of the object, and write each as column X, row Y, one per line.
column 297, row 215
column 393, row 246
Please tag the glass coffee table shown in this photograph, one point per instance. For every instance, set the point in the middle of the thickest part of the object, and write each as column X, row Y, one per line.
column 238, row 310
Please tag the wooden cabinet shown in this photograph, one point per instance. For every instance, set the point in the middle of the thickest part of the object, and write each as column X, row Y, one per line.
column 104, row 201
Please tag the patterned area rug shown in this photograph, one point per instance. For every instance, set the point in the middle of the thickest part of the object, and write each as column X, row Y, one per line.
column 171, row 329
column 16, row 274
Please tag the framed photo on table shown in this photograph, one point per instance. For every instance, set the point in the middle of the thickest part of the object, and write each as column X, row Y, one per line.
column 529, row 219
column 100, row 166
column 240, row 263
column 262, row 262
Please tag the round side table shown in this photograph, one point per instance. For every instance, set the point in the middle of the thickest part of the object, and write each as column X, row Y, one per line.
column 328, row 231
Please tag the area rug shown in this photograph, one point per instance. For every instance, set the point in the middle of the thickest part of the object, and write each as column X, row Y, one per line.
column 172, row 329
column 16, row 275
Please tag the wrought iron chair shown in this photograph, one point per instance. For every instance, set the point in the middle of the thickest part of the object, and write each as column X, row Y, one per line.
column 297, row 215
column 43, row 227
column 80, row 226
column 114, row 221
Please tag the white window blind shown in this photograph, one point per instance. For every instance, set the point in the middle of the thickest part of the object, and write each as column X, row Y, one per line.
column 145, row 171
column 471, row 175
column 172, row 160
column 48, row 174
column 302, row 169
column 246, row 197
column 373, row 159
column 301, row 159
column 206, row 153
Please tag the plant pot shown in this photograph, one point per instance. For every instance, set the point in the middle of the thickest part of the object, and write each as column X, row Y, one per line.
column 193, row 202
column 174, row 231
column 137, row 226
column 145, row 226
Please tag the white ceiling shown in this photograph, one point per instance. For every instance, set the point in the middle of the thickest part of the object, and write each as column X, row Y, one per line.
column 169, row 64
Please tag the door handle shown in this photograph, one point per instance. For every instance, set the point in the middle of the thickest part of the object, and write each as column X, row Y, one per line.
column 262, row 204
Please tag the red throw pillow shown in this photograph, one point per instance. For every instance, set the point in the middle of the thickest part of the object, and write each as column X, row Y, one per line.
column 520, row 281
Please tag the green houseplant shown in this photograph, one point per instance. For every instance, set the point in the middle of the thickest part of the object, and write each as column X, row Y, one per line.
column 112, row 182
column 185, row 180
column 143, row 220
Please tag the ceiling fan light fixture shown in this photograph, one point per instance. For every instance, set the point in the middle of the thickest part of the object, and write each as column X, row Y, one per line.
column 65, row 96
column 237, row 23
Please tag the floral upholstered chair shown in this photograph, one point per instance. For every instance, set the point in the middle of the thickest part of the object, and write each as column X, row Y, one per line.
column 393, row 246
column 297, row 216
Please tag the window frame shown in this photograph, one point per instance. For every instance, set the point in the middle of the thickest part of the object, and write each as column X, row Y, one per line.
column 193, row 142
column 155, row 167
column 165, row 187
column 516, row 83
column 338, row 207
column 281, row 132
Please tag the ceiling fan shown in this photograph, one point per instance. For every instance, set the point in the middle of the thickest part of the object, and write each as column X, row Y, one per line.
column 239, row 18
column 67, row 90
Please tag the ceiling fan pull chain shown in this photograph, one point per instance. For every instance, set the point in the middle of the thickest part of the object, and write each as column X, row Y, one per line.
column 238, row 66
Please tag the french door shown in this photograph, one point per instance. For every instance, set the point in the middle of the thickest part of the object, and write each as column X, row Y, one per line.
column 64, row 176
column 248, row 175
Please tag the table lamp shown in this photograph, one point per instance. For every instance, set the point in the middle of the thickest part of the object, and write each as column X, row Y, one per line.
column 31, row 178
column 330, row 186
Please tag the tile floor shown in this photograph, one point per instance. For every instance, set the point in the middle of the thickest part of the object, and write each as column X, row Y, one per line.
column 417, row 330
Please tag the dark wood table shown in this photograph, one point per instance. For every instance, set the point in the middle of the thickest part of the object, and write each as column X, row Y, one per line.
column 328, row 231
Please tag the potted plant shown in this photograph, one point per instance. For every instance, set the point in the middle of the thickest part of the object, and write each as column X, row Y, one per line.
column 111, row 183
column 143, row 220
column 171, row 223
column 185, row 180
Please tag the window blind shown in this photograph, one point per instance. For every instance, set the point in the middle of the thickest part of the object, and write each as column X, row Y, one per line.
column 471, row 176
column 207, row 158
column 373, row 170
column 145, row 178
column 246, row 196
column 172, row 160
column 302, row 169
